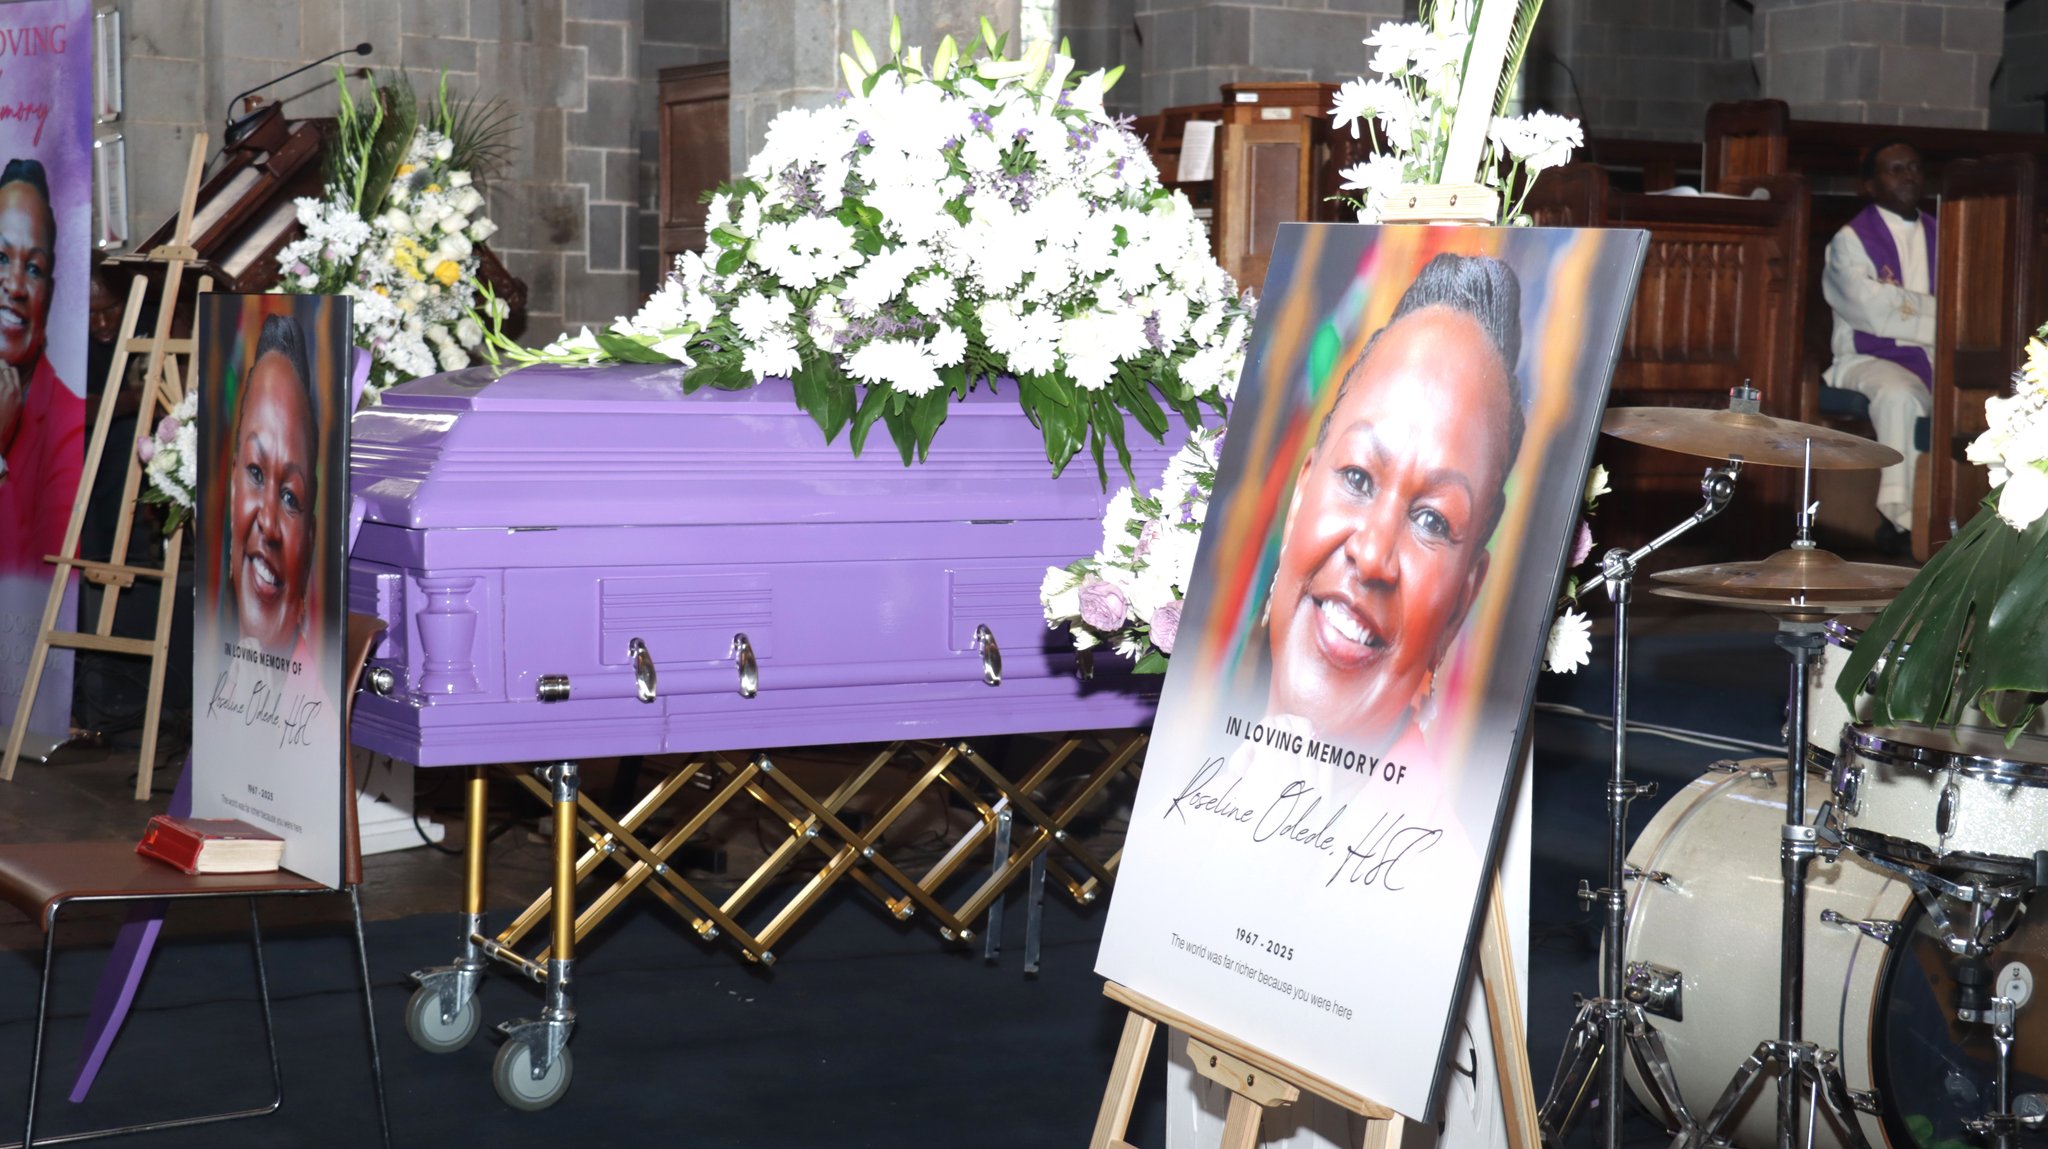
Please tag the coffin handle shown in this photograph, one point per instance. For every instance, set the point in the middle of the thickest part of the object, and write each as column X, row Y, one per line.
column 991, row 654
column 750, row 674
column 643, row 670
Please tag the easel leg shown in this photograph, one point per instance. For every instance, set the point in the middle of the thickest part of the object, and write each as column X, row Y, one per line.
column 153, row 712
column 1122, row 1092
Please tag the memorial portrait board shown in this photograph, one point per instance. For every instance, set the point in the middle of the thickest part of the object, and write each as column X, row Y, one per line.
column 272, row 541
column 1379, row 567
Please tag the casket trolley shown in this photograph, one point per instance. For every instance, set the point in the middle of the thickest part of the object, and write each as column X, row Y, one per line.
column 585, row 563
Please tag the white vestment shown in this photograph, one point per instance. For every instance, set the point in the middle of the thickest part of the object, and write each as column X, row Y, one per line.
column 1902, row 310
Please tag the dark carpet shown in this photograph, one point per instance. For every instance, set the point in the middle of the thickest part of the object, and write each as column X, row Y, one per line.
column 867, row 1033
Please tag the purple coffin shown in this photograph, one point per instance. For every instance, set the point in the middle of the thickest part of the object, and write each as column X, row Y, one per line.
column 534, row 525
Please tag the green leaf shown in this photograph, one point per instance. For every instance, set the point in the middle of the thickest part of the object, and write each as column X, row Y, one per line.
column 898, row 422
column 871, row 407
column 1063, row 427
column 927, row 411
column 1154, row 662
column 1110, row 420
column 1137, row 398
column 731, row 261
column 2011, row 647
column 627, row 349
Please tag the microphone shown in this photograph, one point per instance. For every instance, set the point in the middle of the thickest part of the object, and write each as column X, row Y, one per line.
column 240, row 128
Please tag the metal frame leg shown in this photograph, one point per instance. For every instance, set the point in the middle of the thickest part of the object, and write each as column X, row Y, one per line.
column 35, row 1071
column 355, row 906
column 456, row 983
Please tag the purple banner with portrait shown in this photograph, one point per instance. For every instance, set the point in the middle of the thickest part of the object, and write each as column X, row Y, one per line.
column 45, row 255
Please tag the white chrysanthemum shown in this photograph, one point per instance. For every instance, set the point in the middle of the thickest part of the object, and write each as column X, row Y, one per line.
column 1571, row 643
column 905, row 364
column 756, row 314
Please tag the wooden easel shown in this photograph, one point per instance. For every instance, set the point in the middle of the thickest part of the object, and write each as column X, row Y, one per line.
column 163, row 386
column 1258, row 1081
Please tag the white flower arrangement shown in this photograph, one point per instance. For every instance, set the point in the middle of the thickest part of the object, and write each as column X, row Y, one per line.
column 976, row 220
column 170, row 462
column 2015, row 443
column 1128, row 595
column 1419, row 69
column 402, row 247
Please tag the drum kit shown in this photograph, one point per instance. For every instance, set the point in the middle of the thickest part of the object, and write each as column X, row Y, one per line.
column 1911, row 874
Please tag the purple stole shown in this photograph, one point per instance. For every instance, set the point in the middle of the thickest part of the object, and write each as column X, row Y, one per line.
column 1878, row 245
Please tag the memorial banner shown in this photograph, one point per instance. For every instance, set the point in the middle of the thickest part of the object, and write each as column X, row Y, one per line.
column 1405, row 463
column 272, row 531
column 45, row 257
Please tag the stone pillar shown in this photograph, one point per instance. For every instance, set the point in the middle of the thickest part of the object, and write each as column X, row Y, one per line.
column 1927, row 64
column 1191, row 48
column 2019, row 96
column 786, row 52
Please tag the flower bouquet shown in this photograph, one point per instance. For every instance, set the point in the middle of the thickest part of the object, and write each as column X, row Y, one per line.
column 398, row 227
column 1128, row 596
column 170, row 462
column 1971, row 629
column 972, row 220
column 1408, row 108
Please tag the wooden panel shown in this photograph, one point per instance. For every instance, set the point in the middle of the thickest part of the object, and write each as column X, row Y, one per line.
column 695, row 151
column 1987, row 301
column 1719, row 303
column 1262, row 181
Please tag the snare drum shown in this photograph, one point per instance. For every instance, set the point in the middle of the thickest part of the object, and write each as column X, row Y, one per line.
column 1705, row 916
column 1952, row 798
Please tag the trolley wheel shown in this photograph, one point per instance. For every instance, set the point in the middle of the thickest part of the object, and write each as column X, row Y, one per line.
column 512, row 1074
column 435, row 1034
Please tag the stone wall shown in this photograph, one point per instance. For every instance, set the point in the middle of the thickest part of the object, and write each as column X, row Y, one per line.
column 1924, row 62
column 1644, row 69
column 1190, row 48
column 574, row 204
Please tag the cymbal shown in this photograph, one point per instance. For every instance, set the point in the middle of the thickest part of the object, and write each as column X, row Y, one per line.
column 1816, row 574
column 1792, row 606
column 1753, row 438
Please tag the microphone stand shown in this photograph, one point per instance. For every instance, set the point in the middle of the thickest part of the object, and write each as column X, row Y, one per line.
column 237, row 129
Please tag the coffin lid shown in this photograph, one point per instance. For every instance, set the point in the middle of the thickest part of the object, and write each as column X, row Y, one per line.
column 623, row 445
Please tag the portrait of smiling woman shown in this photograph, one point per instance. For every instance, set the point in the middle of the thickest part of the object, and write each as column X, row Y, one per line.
column 273, row 491
column 1384, row 544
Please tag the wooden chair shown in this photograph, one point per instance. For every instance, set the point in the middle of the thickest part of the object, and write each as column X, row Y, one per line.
column 43, row 878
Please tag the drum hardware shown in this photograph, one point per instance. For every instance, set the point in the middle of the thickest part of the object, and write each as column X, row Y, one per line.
column 1610, row 1027
column 1658, row 989
column 1865, row 1101
column 1877, row 929
column 1633, row 874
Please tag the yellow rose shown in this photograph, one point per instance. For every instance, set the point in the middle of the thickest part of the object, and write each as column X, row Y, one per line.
column 433, row 187
column 448, row 271
column 405, row 169
column 383, row 290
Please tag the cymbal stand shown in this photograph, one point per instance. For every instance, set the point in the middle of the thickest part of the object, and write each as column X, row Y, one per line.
column 1803, row 1067
column 1613, row 1026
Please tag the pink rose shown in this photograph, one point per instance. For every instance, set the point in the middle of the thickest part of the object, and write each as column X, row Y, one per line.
column 168, row 429
column 145, row 448
column 1103, row 605
column 1583, row 545
column 1166, row 626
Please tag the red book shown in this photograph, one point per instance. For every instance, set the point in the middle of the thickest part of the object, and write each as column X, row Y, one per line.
column 211, row 845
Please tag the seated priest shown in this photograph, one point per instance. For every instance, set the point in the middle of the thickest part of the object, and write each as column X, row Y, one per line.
column 1880, row 281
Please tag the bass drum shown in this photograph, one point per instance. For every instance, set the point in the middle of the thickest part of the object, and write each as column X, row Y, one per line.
column 1707, row 908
